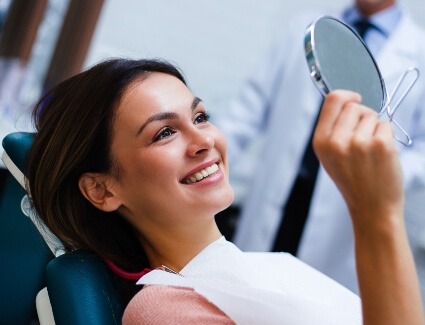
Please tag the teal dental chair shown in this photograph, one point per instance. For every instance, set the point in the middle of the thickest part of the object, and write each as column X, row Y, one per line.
column 23, row 258
column 80, row 288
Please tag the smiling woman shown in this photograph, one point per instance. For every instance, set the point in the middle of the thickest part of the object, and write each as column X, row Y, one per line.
column 126, row 165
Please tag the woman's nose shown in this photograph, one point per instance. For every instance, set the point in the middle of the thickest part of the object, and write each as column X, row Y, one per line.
column 200, row 141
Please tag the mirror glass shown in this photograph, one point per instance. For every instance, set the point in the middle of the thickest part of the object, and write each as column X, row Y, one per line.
column 339, row 59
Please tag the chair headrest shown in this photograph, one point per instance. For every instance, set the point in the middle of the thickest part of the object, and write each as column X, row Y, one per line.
column 16, row 146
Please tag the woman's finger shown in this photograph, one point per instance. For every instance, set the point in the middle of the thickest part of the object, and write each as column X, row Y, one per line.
column 331, row 109
column 365, row 128
column 352, row 114
column 385, row 133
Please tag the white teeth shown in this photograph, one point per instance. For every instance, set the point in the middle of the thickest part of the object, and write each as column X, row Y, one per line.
column 202, row 174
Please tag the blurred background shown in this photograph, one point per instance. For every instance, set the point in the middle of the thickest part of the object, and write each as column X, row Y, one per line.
column 216, row 44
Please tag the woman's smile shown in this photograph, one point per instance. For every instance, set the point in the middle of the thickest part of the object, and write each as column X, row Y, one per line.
column 201, row 172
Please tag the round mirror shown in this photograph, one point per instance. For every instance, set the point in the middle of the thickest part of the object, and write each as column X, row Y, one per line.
column 339, row 59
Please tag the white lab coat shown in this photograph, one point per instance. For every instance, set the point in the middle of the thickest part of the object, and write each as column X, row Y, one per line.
column 282, row 101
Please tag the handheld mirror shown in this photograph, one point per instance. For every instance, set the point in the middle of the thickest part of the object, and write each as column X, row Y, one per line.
column 339, row 59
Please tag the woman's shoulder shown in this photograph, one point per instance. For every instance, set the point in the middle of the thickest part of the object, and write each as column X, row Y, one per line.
column 158, row 304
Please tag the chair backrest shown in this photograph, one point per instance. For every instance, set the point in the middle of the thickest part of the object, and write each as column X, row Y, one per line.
column 23, row 256
column 82, row 291
column 80, row 286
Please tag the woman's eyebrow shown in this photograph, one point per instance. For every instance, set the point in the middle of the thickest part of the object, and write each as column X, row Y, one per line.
column 167, row 115
column 158, row 117
column 195, row 102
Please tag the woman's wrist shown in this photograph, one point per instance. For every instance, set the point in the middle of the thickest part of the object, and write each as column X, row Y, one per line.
column 378, row 226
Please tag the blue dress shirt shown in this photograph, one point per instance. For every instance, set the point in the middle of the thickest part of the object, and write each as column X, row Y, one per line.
column 386, row 21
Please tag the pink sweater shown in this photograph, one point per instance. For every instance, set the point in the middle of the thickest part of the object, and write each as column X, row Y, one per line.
column 157, row 304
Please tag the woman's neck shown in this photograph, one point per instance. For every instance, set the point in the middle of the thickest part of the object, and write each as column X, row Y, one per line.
column 177, row 247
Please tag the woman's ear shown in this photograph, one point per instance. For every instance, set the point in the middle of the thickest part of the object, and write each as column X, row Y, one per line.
column 97, row 189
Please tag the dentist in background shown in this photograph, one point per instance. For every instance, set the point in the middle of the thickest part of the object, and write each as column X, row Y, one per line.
column 280, row 103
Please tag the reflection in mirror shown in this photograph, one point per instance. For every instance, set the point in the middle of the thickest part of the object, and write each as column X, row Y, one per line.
column 339, row 59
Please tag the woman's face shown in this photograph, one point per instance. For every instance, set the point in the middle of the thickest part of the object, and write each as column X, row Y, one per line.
column 172, row 161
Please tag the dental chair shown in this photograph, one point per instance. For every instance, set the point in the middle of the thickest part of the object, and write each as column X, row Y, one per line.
column 80, row 288
column 23, row 258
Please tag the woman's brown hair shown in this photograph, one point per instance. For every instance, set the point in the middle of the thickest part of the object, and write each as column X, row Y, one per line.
column 74, row 124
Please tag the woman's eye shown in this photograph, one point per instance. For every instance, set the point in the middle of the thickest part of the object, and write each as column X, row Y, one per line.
column 164, row 133
column 202, row 118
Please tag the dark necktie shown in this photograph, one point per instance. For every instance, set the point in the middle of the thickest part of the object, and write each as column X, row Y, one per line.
column 295, row 211
column 362, row 26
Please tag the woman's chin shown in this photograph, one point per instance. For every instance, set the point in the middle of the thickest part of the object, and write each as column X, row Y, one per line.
column 225, row 201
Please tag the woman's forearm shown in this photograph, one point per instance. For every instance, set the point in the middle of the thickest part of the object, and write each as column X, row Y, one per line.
column 388, row 283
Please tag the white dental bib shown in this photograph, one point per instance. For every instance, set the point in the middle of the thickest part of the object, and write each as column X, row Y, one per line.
column 263, row 288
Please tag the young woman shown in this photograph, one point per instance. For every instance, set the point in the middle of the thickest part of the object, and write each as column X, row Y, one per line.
column 126, row 165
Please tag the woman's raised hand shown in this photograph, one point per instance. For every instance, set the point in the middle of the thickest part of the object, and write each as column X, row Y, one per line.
column 358, row 151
